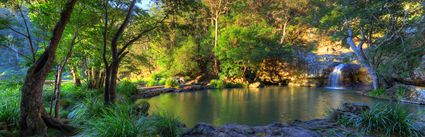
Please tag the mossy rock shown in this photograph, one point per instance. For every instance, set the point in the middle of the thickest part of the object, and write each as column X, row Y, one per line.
column 141, row 107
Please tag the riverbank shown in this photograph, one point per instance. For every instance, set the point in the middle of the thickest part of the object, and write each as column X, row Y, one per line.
column 332, row 126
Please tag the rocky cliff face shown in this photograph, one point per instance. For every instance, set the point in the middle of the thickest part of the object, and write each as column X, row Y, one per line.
column 311, row 70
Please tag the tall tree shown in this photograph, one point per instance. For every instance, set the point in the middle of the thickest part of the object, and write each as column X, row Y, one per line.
column 217, row 8
column 119, row 45
column 34, row 119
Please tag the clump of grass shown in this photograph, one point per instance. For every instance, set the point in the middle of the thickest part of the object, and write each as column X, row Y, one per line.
column 114, row 122
column 377, row 92
column 399, row 94
column 385, row 120
column 217, row 83
column 126, row 88
column 9, row 103
column 160, row 124
column 91, row 107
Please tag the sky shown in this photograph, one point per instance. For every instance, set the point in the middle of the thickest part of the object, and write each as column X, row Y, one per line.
column 144, row 4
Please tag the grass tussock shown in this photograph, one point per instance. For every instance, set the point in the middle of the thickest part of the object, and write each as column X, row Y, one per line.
column 383, row 119
column 122, row 120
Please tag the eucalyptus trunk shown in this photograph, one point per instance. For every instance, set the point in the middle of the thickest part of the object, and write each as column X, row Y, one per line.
column 216, row 67
column 358, row 50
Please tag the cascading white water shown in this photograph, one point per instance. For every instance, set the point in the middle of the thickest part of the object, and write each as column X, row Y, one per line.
column 335, row 78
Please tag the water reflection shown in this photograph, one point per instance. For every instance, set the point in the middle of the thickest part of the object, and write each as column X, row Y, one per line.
column 257, row 106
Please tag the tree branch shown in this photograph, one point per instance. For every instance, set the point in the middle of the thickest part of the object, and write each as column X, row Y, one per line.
column 16, row 31
column 140, row 35
column 19, row 53
column 28, row 33
column 124, row 24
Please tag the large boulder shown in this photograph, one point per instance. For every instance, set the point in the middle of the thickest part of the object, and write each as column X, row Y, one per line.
column 408, row 93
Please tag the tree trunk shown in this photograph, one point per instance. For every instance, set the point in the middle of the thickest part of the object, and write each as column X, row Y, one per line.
column 59, row 76
column 107, row 81
column 282, row 39
column 54, row 91
column 76, row 77
column 33, row 117
column 216, row 63
column 113, row 68
column 358, row 50
column 58, row 91
column 113, row 84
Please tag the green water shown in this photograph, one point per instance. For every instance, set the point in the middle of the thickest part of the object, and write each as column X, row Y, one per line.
column 258, row 106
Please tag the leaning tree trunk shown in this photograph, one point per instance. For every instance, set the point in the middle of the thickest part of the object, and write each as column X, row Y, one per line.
column 358, row 50
column 34, row 119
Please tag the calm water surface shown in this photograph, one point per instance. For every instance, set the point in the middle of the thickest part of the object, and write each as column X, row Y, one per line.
column 258, row 106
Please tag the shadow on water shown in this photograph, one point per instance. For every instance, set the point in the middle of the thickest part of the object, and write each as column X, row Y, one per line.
column 258, row 106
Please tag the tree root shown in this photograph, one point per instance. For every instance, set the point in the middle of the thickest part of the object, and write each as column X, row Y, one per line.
column 59, row 125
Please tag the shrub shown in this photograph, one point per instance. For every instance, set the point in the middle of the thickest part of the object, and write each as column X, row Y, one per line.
column 377, row 92
column 126, row 88
column 160, row 124
column 170, row 82
column 151, row 82
column 156, row 76
column 162, row 81
column 217, row 83
column 384, row 119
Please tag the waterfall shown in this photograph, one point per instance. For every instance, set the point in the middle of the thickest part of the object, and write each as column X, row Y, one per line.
column 335, row 78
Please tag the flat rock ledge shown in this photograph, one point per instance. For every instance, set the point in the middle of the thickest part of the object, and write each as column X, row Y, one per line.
column 152, row 92
column 313, row 128
column 234, row 130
